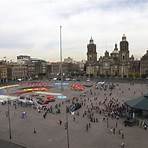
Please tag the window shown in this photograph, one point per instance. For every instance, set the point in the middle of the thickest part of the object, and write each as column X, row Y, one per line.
column 123, row 57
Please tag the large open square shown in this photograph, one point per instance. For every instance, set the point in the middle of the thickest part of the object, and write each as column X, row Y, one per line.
column 37, row 131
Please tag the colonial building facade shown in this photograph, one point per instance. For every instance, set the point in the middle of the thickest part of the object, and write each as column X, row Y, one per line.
column 115, row 64
column 16, row 71
column 36, row 68
column 144, row 65
column 3, row 72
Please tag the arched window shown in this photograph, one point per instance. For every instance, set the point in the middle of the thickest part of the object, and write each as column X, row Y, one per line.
column 123, row 57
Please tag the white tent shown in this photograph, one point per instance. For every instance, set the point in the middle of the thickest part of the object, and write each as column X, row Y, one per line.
column 48, row 93
column 6, row 98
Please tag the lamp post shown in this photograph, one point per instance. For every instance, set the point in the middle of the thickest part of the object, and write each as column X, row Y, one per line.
column 67, row 127
column 10, row 137
column 9, row 121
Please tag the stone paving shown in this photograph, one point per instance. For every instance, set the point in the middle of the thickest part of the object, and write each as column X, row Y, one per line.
column 7, row 144
column 50, row 134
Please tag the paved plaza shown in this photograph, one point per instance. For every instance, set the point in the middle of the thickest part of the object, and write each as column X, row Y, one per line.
column 35, row 131
column 8, row 144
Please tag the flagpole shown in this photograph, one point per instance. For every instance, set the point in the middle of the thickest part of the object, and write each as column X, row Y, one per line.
column 61, row 68
column 61, row 72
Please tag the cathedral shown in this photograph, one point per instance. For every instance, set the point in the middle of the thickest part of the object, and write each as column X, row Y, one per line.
column 115, row 64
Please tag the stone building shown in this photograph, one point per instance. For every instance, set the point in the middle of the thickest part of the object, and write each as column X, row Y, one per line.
column 105, row 65
column 144, row 65
column 115, row 64
column 91, row 63
column 124, row 58
column 36, row 68
column 16, row 71
column 10, row 71
column 3, row 72
column 23, row 59
column 134, row 70
column 69, row 69
column 91, row 52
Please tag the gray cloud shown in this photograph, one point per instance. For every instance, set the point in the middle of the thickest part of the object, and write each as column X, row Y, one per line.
column 32, row 26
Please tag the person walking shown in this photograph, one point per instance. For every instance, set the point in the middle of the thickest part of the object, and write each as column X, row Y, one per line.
column 60, row 122
column 122, row 145
column 114, row 131
column 87, row 127
column 119, row 132
column 122, row 135
column 34, row 131
column 116, row 124
column 145, row 127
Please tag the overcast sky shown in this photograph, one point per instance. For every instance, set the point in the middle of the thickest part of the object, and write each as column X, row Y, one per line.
column 31, row 27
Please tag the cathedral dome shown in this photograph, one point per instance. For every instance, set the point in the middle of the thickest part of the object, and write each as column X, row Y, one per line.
column 115, row 51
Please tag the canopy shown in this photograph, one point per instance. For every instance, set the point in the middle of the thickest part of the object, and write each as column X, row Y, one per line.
column 49, row 97
column 6, row 98
column 77, row 86
column 48, row 93
column 139, row 103
column 62, row 97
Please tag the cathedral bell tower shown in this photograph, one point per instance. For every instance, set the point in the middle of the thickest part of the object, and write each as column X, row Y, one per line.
column 124, row 57
column 124, row 50
column 91, row 52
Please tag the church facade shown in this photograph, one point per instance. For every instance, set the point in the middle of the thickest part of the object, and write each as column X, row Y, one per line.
column 115, row 64
column 144, row 65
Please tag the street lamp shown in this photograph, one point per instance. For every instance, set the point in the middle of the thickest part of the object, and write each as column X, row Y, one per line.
column 67, row 127
column 10, row 137
column 9, row 121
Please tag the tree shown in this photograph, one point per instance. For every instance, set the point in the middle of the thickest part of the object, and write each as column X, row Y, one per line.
column 130, row 75
column 137, row 75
